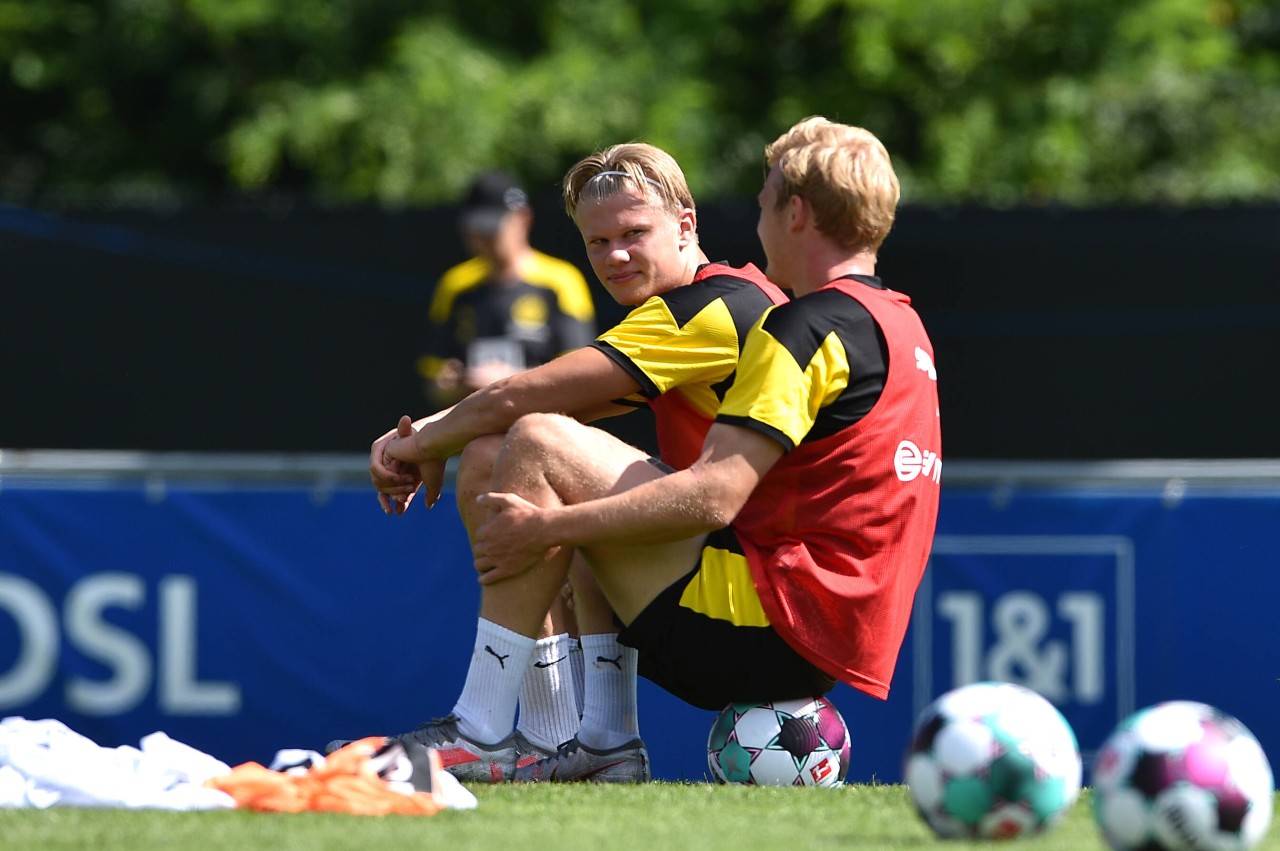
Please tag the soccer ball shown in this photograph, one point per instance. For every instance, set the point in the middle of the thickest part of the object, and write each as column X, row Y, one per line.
column 781, row 743
column 992, row 760
column 1182, row 775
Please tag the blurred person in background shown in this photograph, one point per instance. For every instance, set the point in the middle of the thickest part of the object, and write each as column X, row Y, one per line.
column 509, row 307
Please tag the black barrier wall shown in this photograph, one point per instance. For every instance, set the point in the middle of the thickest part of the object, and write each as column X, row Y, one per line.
column 1058, row 334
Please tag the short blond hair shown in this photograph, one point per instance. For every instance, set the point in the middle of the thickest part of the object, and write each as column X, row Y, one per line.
column 631, row 164
column 845, row 174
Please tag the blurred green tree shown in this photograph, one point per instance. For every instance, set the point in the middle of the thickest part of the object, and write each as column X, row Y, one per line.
column 402, row 101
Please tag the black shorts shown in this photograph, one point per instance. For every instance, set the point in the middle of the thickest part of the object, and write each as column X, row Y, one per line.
column 710, row 662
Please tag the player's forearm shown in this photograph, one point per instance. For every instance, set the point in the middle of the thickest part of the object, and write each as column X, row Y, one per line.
column 490, row 410
column 580, row 384
column 430, row 418
column 681, row 505
column 684, row 504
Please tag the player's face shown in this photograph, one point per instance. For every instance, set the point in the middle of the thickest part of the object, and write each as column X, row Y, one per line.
column 503, row 245
column 771, row 229
column 636, row 248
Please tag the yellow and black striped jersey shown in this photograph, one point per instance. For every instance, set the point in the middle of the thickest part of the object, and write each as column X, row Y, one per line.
column 810, row 369
column 682, row 348
column 838, row 531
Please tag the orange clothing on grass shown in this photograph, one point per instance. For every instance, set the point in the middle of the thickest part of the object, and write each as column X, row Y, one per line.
column 347, row 782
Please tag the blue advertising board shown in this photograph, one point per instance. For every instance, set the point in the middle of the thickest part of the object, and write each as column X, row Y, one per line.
column 1052, row 612
column 242, row 616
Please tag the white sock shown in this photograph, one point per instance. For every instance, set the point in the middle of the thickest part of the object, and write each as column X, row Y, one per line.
column 548, row 700
column 486, row 709
column 610, row 716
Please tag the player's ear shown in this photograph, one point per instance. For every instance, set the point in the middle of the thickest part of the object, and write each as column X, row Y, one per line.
column 687, row 227
column 799, row 213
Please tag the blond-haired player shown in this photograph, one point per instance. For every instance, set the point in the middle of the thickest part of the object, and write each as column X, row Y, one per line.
column 786, row 557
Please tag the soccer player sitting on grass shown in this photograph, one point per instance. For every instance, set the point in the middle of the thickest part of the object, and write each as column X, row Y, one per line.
column 676, row 352
column 787, row 556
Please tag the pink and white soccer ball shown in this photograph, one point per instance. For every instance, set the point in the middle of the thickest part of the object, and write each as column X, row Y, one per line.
column 1182, row 776
column 780, row 743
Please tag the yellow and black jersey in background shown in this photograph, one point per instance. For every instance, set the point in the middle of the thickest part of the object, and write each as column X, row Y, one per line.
column 813, row 367
column 548, row 313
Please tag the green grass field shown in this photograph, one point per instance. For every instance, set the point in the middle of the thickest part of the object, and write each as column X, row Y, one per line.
column 516, row 818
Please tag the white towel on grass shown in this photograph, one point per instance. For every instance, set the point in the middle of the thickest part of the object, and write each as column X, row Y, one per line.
column 45, row 763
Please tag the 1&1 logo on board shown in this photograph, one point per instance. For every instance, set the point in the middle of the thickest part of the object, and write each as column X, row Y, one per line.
column 1052, row 613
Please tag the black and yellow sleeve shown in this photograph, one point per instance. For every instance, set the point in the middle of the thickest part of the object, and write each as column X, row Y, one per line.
column 662, row 352
column 781, row 388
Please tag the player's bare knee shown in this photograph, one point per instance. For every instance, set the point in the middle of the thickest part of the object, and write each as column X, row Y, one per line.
column 541, row 433
column 478, row 457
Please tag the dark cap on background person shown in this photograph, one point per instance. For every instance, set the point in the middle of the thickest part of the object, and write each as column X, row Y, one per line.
column 492, row 196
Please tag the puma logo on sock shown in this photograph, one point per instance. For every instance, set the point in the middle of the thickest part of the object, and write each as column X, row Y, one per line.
column 615, row 662
column 502, row 660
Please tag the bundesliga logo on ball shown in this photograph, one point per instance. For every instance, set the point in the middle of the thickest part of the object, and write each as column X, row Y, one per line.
column 781, row 743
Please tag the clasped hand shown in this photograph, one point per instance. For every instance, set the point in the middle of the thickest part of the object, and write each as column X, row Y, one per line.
column 398, row 470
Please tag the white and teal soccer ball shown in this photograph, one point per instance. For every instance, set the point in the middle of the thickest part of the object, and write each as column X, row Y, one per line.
column 1182, row 775
column 781, row 743
column 992, row 761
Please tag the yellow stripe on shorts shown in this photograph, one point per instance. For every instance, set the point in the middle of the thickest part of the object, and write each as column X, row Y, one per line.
column 722, row 589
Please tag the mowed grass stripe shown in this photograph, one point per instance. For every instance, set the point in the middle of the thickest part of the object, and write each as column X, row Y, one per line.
column 519, row 818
